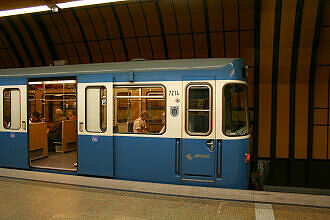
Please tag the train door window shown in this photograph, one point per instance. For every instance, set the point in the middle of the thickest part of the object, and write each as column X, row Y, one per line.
column 235, row 115
column 11, row 109
column 96, row 109
column 198, row 110
column 131, row 101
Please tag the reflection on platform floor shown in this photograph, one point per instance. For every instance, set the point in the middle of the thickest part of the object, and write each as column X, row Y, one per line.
column 23, row 199
column 62, row 161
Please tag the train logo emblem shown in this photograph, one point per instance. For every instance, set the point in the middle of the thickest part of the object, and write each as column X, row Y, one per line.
column 189, row 157
column 201, row 156
column 174, row 110
column 95, row 139
column 12, row 135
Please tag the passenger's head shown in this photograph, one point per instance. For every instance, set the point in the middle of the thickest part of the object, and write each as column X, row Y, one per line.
column 35, row 116
column 71, row 113
column 59, row 112
column 144, row 115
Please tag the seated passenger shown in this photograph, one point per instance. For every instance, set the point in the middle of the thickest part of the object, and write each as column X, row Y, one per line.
column 6, row 118
column 72, row 115
column 163, row 123
column 54, row 133
column 140, row 124
column 6, row 124
column 35, row 117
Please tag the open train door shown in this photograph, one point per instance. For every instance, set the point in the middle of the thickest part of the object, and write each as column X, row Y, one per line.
column 13, row 124
column 95, row 125
column 198, row 136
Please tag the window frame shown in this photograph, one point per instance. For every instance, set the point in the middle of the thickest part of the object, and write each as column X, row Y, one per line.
column 3, row 112
column 106, row 128
column 139, row 97
column 223, row 110
column 210, row 110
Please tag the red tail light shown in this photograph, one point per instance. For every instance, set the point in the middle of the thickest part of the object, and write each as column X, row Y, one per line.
column 247, row 158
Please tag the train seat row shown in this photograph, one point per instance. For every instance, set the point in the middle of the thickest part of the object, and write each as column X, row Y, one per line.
column 38, row 142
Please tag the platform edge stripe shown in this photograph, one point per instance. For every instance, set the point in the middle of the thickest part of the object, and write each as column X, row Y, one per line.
column 173, row 190
column 264, row 211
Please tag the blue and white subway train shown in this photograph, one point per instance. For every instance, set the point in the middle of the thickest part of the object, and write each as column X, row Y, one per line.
column 193, row 129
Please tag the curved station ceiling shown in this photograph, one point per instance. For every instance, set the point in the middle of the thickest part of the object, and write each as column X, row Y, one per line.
column 126, row 30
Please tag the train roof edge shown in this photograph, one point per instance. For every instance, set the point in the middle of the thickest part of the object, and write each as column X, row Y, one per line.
column 117, row 67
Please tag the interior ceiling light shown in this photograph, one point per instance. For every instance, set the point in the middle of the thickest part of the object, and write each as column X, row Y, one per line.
column 60, row 82
column 53, row 82
column 35, row 83
column 19, row 11
column 84, row 3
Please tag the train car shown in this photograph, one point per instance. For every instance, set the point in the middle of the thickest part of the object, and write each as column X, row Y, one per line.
column 169, row 121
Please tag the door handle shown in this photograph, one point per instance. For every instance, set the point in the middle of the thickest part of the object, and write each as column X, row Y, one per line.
column 81, row 126
column 23, row 125
column 210, row 144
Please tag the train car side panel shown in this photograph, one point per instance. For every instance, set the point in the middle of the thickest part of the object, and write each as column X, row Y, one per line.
column 13, row 135
column 95, row 125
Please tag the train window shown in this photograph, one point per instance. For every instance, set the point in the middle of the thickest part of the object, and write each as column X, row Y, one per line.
column 198, row 111
column 96, row 109
column 235, row 115
column 139, row 109
column 11, row 109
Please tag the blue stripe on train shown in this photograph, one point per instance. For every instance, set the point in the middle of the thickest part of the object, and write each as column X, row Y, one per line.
column 12, row 81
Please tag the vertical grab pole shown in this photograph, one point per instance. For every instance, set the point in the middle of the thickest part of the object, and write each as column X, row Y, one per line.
column 219, row 159
column 177, row 156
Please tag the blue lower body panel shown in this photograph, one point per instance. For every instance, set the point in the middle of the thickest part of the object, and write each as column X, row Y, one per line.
column 197, row 159
column 95, row 155
column 14, row 150
column 145, row 158
column 151, row 159
column 235, row 172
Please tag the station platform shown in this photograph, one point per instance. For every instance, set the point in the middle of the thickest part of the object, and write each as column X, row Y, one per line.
column 322, row 201
column 27, row 199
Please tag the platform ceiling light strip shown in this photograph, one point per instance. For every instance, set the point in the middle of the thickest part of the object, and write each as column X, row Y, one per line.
column 42, row 8
column 19, row 11
column 84, row 3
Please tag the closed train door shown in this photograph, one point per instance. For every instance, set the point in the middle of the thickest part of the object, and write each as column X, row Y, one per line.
column 13, row 119
column 95, row 130
column 198, row 137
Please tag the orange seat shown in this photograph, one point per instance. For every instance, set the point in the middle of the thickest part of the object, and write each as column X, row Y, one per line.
column 38, row 142
column 69, row 137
